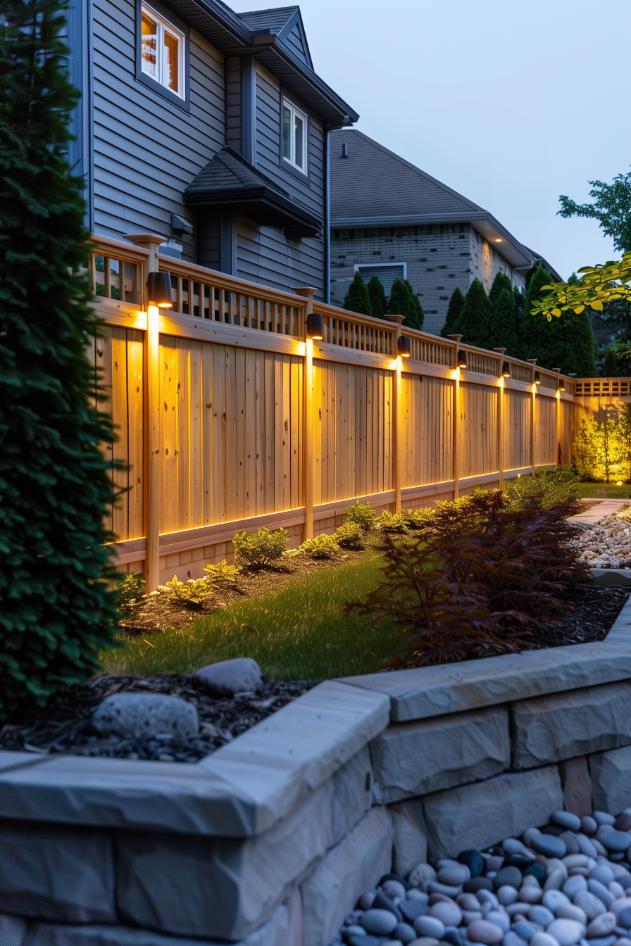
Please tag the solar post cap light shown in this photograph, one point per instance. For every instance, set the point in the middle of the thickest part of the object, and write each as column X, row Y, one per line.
column 506, row 369
column 404, row 346
column 537, row 378
column 461, row 360
column 315, row 327
column 159, row 290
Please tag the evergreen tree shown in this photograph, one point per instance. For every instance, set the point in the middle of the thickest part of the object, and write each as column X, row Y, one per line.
column 454, row 311
column 357, row 298
column 500, row 282
column 377, row 295
column 504, row 326
column 404, row 301
column 540, row 338
column 475, row 321
column 58, row 611
column 610, row 366
column 578, row 350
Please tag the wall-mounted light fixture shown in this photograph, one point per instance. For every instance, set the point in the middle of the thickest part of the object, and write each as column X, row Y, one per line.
column 159, row 290
column 506, row 369
column 404, row 346
column 315, row 327
column 537, row 377
column 560, row 384
column 461, row 359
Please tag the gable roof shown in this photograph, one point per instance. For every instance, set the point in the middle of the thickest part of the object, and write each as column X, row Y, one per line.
column 276, row 38
column 230, row 181
column 374, row 187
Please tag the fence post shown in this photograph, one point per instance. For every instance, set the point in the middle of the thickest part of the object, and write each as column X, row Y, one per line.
column 307, row 415
column 500, row 417
column 533, row 414
column 151, row 415
column 558, row 412
column 456, row 419
column 396, row 411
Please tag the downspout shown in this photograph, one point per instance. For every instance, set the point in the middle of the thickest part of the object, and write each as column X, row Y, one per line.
column 327, row 219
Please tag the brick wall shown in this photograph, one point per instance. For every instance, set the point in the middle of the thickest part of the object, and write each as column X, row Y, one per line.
column 439, row 258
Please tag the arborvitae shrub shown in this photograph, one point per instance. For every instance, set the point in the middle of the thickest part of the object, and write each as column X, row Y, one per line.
column 475, row 321
column 504, row 326
column 610, row 366
column 357, row 298
column 500, row 282
column 378, row 300
column 59, row 605
column 454, row 311
column 404, row 301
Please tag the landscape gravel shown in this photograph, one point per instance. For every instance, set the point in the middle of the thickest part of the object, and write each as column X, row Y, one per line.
column 607, row 544
column 567, row 884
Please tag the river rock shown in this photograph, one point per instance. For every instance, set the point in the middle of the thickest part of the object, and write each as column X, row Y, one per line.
column 565, row 932
column 139, row 715
column 618, row 841
column 601, row 925
column 404, row 932
column 543, row 939
column 447, row 912
column 481, row 931
column 379, row 922
column 567, row 820
column 549, row 845
column 429, row 926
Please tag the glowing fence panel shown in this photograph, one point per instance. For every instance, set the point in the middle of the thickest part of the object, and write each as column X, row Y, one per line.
column 478, row 430
column 426, row 430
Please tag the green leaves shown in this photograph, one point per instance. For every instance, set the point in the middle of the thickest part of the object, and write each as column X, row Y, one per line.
column 598, row 285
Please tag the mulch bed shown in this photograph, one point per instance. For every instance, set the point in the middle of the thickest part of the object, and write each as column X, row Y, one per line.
column 66, row 725
column 595, row 610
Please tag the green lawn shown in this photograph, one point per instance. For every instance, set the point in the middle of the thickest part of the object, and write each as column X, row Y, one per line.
column 604, row 491
column 298, row 632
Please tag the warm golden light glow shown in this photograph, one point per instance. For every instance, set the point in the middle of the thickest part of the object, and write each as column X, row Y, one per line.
column 619, row 483
column 498, row 240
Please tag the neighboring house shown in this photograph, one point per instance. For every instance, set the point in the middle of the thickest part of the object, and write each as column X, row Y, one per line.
column 209, row 128
column 392, row 220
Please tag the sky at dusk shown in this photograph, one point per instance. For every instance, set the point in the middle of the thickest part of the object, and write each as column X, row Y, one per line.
column 509, row 103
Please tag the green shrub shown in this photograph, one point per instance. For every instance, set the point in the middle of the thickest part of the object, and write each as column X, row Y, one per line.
column 481, row 581
column 221, row 574
column 261, row 549
column 362, row 514
column 57, row 585
column 191, row 593
column 392, row 523
column 321, row 547
column 351, row 536
column 416, row 519
column 131, row 588
column 357, row 298
column 544, row 488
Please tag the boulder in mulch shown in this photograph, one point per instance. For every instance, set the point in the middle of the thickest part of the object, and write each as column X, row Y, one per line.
column 229, row 677
column 146, row 714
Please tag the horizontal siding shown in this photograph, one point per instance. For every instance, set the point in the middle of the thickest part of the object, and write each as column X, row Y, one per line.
column 233, row 103
column 265, row 255
column 309, row 192
column 146, row 148
column 293, row 40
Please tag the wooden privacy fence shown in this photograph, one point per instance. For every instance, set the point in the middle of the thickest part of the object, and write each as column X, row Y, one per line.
column 229, row 417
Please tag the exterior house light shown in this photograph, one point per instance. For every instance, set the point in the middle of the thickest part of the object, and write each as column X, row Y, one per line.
column 461, row 360
column 315, row 327
column 560, row 384
column 506, row 369
column 159, row 290
column 404, row 346
column 537, row 377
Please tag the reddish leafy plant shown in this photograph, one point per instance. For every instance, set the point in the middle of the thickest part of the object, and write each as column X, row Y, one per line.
column 480, row 579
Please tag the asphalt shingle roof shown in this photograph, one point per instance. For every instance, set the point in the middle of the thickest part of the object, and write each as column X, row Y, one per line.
column 273, row 20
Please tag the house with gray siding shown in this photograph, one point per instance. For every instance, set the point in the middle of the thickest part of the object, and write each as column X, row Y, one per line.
column 209, row 128
column 392, row 220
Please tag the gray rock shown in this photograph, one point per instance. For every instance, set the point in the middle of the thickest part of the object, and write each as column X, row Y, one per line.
column 56, row 873
column 478, row 815
column 352, row 794
column 601, row 925
column 566, row 932
column 549, row 845
column 543, row 939
column 481, row 931
column 447, row 912
column 345, row 871
column 135, row 715
column 567, row 820
column 418, row 758
column 429, row 926
column 617, row 841
column 380, row 922
column 228, row 677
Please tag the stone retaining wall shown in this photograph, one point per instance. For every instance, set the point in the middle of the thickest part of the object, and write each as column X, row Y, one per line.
column 269, row 841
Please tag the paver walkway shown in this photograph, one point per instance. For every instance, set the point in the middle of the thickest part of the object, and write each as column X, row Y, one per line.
column 602, row 509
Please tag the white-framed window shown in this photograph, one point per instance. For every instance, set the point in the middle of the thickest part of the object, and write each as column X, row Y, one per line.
column 388, row 273
column 294, row 126
column 162, row 51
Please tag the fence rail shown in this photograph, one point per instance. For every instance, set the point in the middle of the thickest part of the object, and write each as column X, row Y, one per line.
column 230, row 416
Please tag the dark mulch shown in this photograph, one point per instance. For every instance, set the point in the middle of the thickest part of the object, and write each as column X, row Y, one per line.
column 595, row 610
column 66, row 725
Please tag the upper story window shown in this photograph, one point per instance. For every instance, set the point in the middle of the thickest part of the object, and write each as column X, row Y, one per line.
column 162, row 51
column 294, row 136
